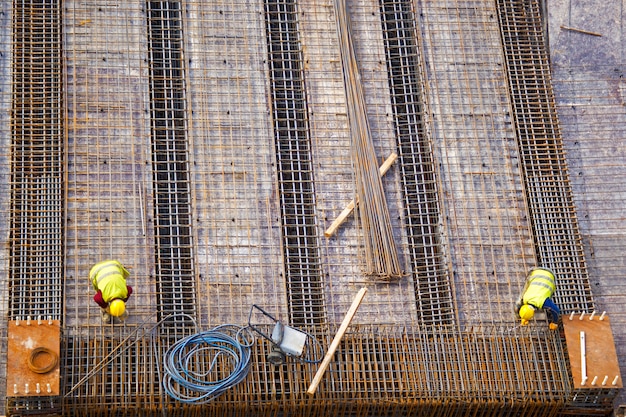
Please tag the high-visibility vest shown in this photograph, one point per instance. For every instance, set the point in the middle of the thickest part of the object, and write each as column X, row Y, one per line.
column 110, row 278
column 541, row 286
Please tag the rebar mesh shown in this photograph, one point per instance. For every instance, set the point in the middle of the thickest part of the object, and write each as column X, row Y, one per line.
column 238, row 221
column 207, row 146
column 421, row 201
column 6, row 31
column 411, row 368
column 103, row 368
column 474, row 144
column 551, row 206
column 108, row 173
column 172, row 212
column 36, row 248
column 295, row 174
column 36, row 188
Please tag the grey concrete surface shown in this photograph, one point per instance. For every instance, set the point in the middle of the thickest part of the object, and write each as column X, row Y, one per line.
column 587, row 55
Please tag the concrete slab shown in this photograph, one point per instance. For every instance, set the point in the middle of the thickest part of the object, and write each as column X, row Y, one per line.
column 588, row 77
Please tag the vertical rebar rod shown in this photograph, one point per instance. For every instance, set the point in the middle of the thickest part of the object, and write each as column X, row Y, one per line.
column 381, row 253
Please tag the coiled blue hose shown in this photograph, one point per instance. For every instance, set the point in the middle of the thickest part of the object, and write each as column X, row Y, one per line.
column 202, row 366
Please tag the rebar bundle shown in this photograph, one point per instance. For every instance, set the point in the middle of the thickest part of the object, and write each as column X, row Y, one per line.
column 381, row 254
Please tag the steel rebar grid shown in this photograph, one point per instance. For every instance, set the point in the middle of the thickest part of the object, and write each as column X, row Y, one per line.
column 174, row 256
column 122, row 374
column 109, row 182
column 382, row 377
column 6, row 99
column 295, row 174
column 555, row 224
column 432, row 284
column 484, row 215
column 108, row 175
column 236, row 194
column 36, row 176
column 376, row 368
column 36, row 211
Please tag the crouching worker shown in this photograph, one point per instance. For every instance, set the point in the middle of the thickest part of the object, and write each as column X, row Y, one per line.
column 540, row 285
column 108, row 279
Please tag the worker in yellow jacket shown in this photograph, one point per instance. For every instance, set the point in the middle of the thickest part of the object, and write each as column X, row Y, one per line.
column 108, row 279
column 540, row 285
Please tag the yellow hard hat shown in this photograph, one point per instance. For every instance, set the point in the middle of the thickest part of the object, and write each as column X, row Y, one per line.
column 117, row 307
column 526, row 312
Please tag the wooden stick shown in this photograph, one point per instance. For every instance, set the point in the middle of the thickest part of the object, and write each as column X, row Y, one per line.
column 350, row 207
column 586, row 32
column 335, row 343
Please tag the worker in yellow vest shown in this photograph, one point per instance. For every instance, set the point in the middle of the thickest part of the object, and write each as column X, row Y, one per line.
column 540, row 285
column 108, row 279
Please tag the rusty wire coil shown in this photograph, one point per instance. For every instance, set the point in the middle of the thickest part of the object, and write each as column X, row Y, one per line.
column 42, row 369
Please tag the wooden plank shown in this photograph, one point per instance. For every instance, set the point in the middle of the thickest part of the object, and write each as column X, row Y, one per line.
column 332, row 229
column 336, row 340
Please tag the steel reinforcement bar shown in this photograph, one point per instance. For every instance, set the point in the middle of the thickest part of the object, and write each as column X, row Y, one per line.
column 433, row 292
column 555, row 225
column 36, row 243
column 174, row 256
column 295, row 174
column 378, row 370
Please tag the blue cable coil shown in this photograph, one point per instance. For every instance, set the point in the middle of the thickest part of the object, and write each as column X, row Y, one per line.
column 202, row 366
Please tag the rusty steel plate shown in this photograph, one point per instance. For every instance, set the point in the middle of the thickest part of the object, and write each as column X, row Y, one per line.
column 33, row 358
column 600, row 361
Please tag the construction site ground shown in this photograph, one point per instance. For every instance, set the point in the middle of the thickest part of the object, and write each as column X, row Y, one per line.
column 207, row 146
column 588, row 78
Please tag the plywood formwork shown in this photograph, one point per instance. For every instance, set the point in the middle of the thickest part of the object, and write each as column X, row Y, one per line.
column 207, row 146
column 591, row 351
column 33, row 365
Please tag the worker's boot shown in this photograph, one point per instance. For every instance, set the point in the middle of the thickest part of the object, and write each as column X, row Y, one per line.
column 106, row 318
